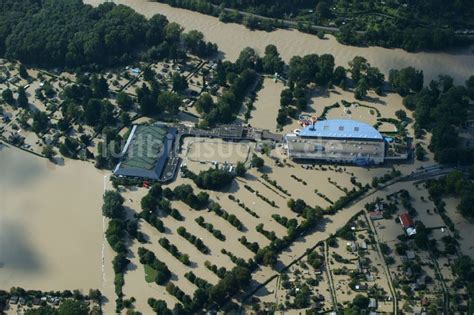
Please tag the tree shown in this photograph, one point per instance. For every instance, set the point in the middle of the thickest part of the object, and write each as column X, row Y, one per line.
column 100, row 86
column 339, row 77
column 124, row 101
column 406, row 80
column 42, row 310
column 148, row 74
column 257, row 161
column 325, row 69
column 40, row 122
column 470, row 87
column 213, row 179
column 113, row 204
column 361, row 90
column 322, row 9
column 49, row 152
column 361, row 302
column 374, row 78
column 179, row 83
column 272, row 62
column 358, row 67
column 240, row 169
column 466, row 205
column 170, row 102
column 205, row 103
column 7, row 96
column 159, row 306
column 92, row 111
column 155, row 32
column 464, row 268
column 23, row 72
column 172, row 32
column 125, row 119
column 269, row 258
column 120, row 262
column 247, row 59
column 302, row 298
column 22, row 100
column 401, row 114
column 297, row 206
column 73, row 307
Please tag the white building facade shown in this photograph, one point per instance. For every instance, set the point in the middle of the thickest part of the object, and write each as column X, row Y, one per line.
column 337, row 141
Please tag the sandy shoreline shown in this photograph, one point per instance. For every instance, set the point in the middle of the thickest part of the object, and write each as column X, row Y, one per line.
column 232, row 38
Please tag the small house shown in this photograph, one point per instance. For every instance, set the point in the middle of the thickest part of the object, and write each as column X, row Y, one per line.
column 362, row 245
column 14, row 299
column 361, row 287
column 372, row 303
column 410, row 254
column 376, row 215
column 406, row 221
column 407, row 224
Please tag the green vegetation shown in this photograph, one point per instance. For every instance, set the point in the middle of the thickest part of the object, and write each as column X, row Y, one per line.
column 275, row 184
column 185, row 193
column 443, row 108
column 69, row 306
column 253, row 246
column 199, row 282
column 209, row 227
column 159, row 306
column 213, row 179
column 197, row 242
column 162, row 273
column 117, row 234
column 150, row 274
column 457, row 184
column 232, row 219
column 259, row 195
column 243, row 206
column 240, row 79
column 69, row 33
column 184, row 258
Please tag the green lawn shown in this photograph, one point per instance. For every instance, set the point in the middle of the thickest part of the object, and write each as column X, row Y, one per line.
column 150, row 274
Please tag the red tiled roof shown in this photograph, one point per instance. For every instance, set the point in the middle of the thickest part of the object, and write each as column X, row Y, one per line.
column 406, row 220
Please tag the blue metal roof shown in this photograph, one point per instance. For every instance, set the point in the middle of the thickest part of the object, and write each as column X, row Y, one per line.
column 341, row 128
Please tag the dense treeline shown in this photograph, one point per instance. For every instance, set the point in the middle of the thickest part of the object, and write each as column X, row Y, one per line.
column 69, row 33
column 237, row 81
column 119, row 231
column 398, row 34
column 442, row 108
column 454, row 184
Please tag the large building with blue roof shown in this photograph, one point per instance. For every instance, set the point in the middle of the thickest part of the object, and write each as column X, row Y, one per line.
column 337, row 141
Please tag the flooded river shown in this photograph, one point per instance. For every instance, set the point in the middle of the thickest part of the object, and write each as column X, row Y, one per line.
column 232, row 38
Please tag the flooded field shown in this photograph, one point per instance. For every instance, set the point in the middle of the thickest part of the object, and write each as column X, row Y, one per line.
column 232, row 38
column 50, row 223
column 204, row 150
column 266, row 105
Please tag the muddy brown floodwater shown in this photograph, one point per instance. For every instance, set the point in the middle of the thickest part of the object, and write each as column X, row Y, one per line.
column 50, row 223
